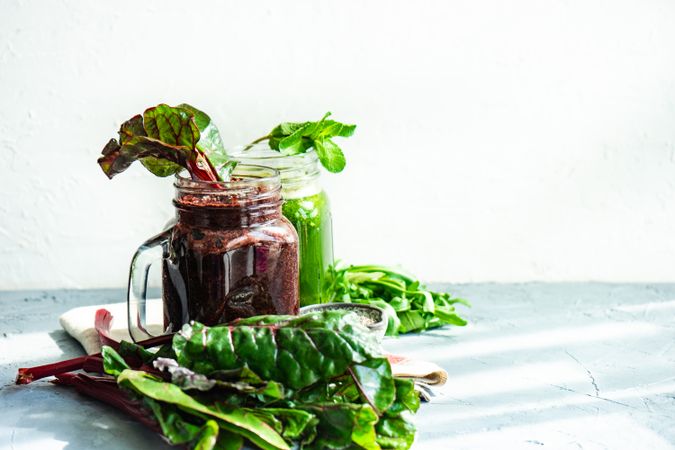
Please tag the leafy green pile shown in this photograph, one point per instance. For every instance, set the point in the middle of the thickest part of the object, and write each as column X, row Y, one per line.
column 314, row 382
column 291, row 138
column 167, row 139
column 408, row 304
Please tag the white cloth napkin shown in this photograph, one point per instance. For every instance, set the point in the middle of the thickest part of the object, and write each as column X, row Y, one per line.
column 79, row 323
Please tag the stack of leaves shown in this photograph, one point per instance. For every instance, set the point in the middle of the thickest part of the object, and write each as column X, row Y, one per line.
column 279, row 382
column 408, row 304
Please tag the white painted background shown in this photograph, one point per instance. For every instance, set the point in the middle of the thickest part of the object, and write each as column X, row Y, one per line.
column 505, row 141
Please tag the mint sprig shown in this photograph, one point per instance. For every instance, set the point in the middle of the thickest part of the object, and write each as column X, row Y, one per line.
column 292, row 138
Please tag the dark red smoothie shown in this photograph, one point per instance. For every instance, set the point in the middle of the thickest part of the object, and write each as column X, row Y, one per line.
column 230, row 255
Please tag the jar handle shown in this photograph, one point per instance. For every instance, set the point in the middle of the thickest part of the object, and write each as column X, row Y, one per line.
column 150, row 252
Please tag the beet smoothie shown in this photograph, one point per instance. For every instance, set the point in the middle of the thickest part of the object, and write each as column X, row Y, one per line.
column 230, row 254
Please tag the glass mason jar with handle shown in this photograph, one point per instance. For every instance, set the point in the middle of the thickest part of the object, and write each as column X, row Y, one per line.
column 229, row 253
column 306, row 206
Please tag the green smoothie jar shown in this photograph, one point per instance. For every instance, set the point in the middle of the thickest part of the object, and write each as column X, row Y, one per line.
column 306, row 206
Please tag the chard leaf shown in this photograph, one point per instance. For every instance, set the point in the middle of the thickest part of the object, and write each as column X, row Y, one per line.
column 131, row 128
column 166, row 139
column 375, row 382
column 116, row 159
column 113, row 363
column 208, row 436
column 395, row 433
column 173, row 425
column 179, row 431
column 160, row 167
column 407, row 398
column 394, row 430
column 186, row 379
column 343, row 425
column 210, row 141
column 292, row 424
column 182, row 377
column 241, row 422
column 297, row 353
column 130, row 350
column 173, row 126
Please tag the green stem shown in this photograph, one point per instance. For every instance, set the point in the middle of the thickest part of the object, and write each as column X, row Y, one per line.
column 257, row 141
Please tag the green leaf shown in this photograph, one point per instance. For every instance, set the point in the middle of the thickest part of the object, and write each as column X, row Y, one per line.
column 131, row 350
column 407, row 398
column 375, row 382
column 236, row 420
column 394, row 430
column 342, row 425
column 186, row 379
column 411, row 321
column 173, row 126
column 292, row 138
column 210, row 141
column 428, row 305
column 296, row 142
column 208, row 436
column 292, row 424
column 414, row 307
column 225, row 170
column 330, row 155
column 449, row 317
column 180, row 431
column 113, row 363
column 400, row 303
column 298, row 352
column 160, row 167
column 173, row 425
column 395, row 433
column 131, row 128
column 331, row 128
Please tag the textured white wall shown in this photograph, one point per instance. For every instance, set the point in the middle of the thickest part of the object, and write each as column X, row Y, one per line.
column 522, row 140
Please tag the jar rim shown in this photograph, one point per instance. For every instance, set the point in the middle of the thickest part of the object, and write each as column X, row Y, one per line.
column 245, row 176
column 294, row 170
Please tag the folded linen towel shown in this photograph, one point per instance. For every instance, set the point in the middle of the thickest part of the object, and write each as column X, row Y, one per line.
column 79, row 323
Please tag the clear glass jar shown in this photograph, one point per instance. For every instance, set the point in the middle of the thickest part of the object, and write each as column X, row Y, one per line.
column 230, row 253
column 306, row 206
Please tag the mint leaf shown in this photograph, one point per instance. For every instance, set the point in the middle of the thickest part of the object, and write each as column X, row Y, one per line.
column 292, row 138
column 330, row 155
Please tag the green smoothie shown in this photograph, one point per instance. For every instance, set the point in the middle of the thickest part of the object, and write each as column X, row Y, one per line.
column 311, row 218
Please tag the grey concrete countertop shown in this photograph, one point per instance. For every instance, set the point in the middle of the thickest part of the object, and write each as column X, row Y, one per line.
column 579, row 366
